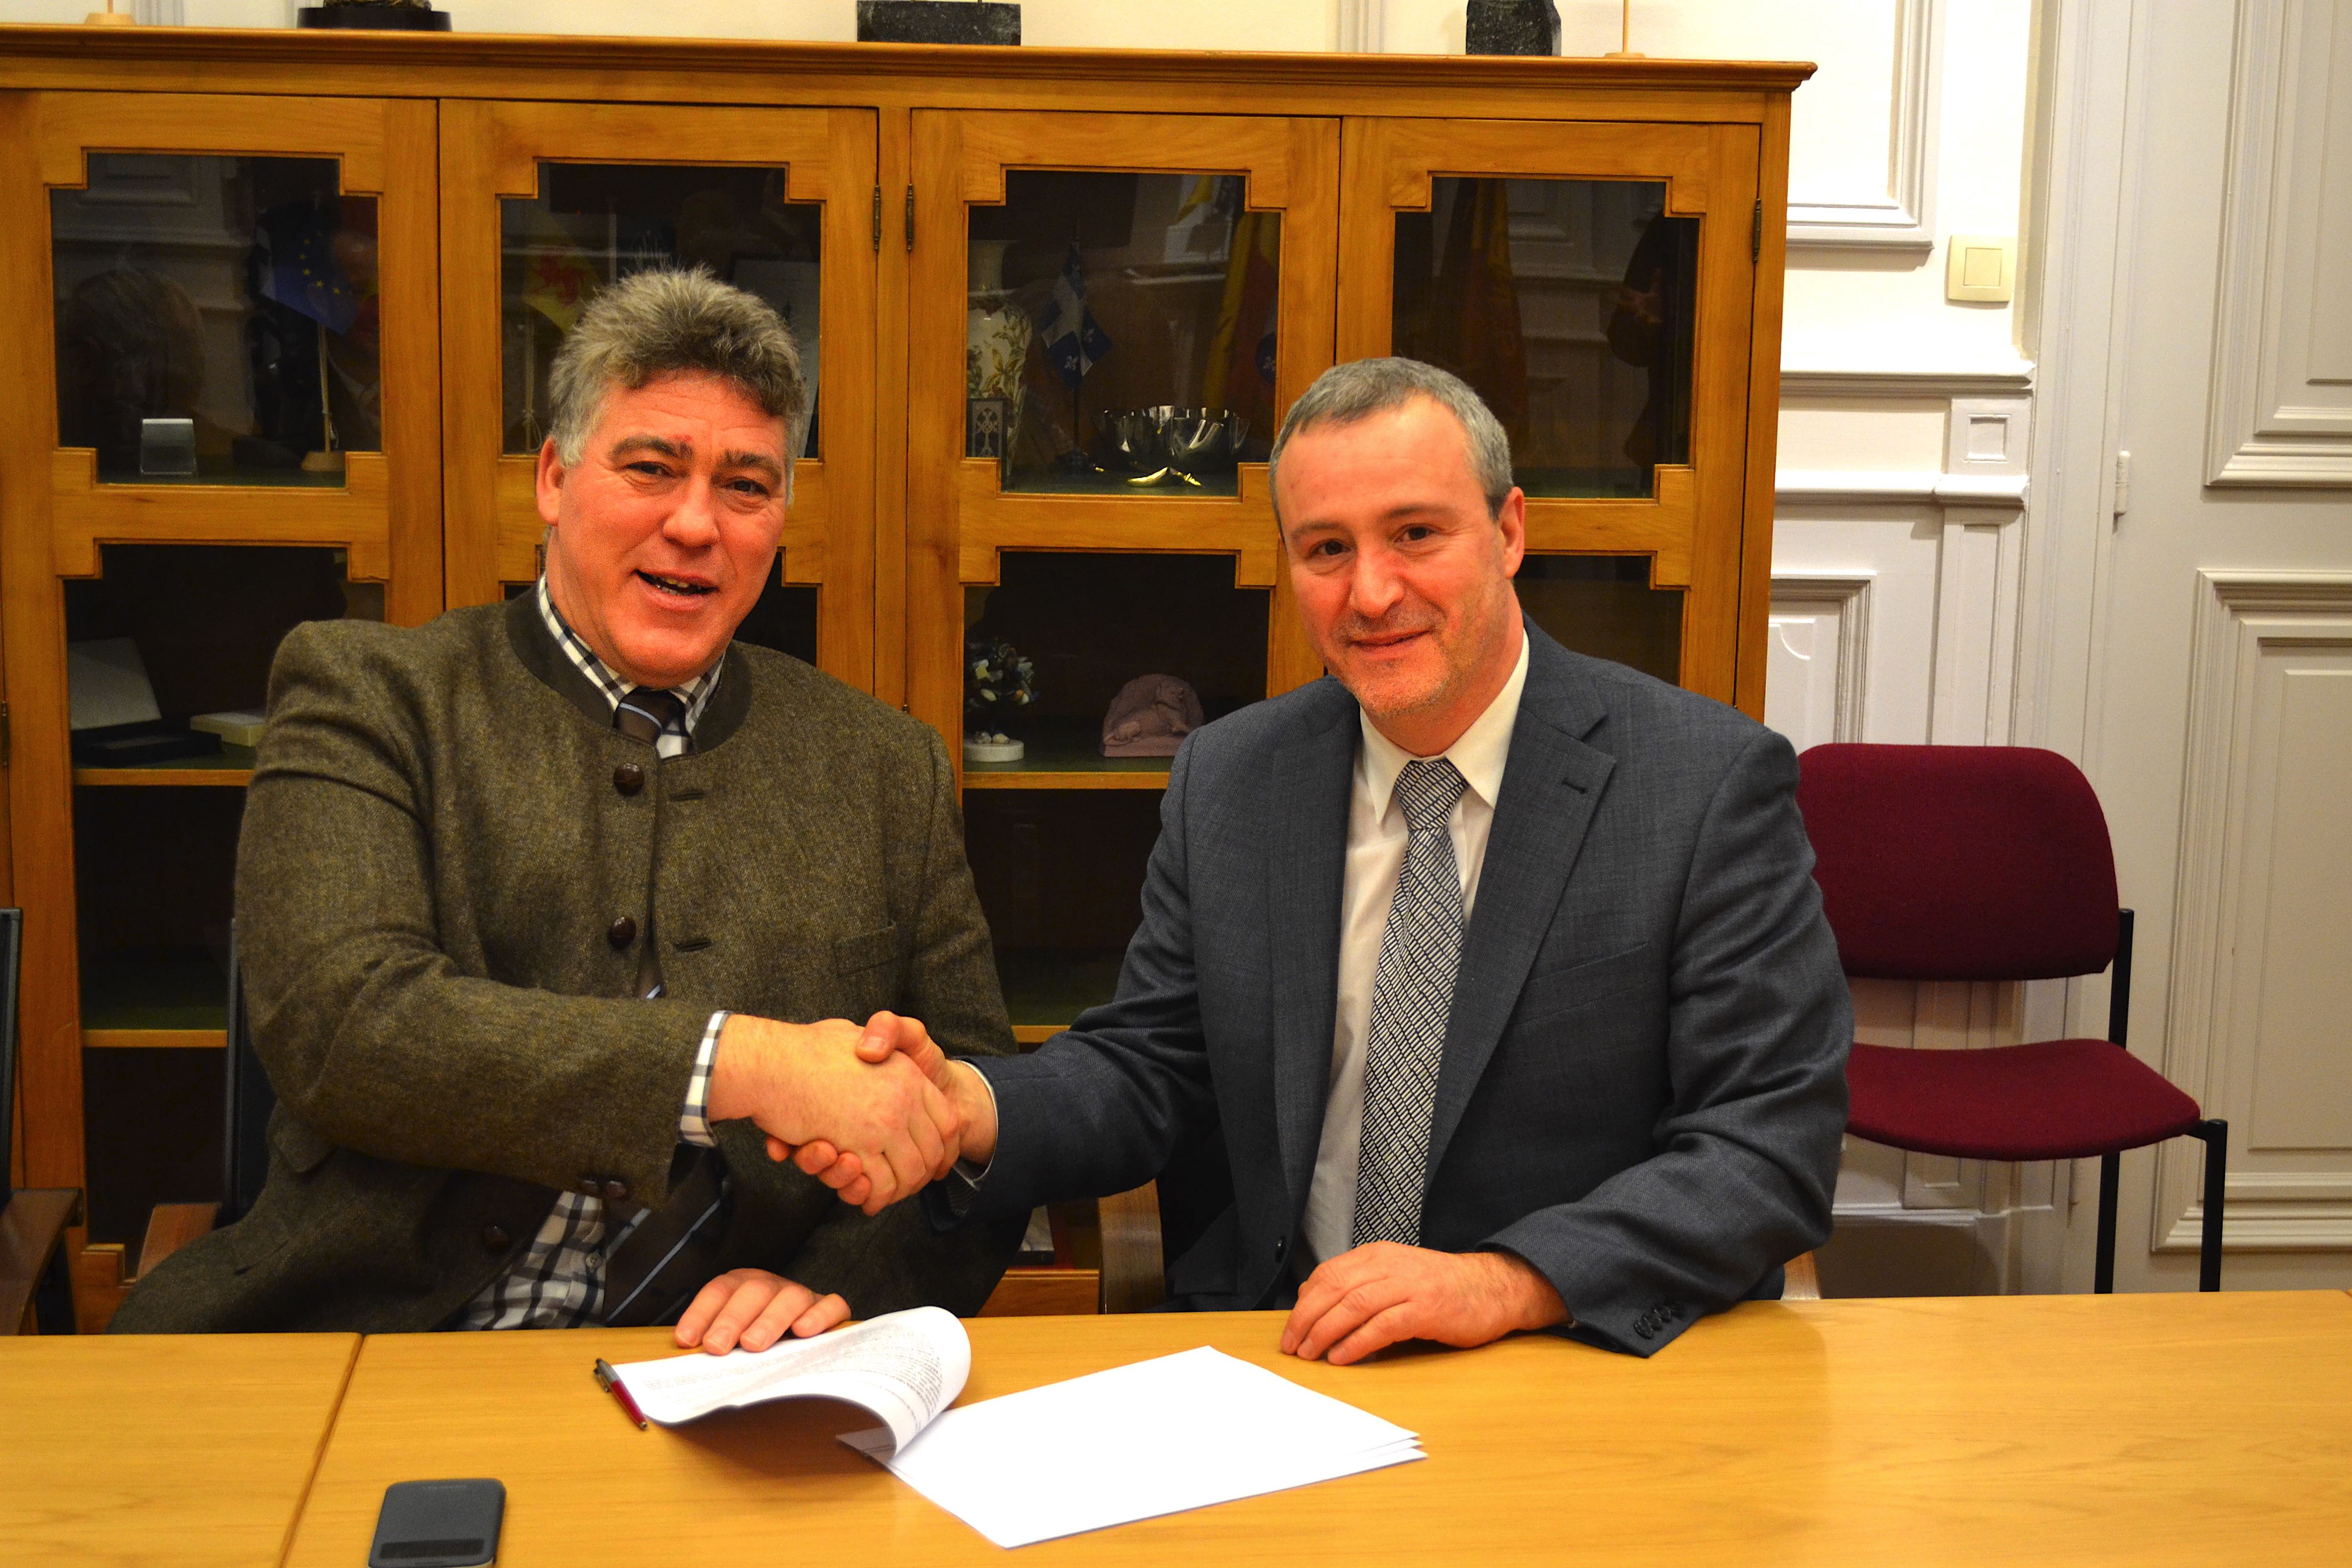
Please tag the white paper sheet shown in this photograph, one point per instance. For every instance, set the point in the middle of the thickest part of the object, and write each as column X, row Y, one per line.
column 1159, row 1436
column 904, row 1367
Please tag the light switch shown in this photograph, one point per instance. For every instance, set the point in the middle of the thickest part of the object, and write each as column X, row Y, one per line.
column 1981, row 269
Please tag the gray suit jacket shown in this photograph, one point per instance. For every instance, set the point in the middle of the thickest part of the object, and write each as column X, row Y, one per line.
column 1643, row 1083
column 435, row 850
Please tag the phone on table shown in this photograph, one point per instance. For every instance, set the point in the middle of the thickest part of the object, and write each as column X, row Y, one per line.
column 439, row 1524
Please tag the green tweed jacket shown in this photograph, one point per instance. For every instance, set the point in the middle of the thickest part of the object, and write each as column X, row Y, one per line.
column 439, row 848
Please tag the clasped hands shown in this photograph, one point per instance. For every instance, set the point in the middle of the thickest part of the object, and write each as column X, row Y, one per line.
column 875, row 1112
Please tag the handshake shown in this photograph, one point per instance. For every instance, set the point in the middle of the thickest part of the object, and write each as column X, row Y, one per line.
column 874, row 1113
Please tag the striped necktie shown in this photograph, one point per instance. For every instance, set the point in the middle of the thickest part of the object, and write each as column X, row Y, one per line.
column 1412, row 989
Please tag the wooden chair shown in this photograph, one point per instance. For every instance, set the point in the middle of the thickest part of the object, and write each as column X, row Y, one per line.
column 36, row 1290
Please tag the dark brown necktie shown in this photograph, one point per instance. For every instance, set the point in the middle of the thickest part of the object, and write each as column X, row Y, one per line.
column 657, row 1268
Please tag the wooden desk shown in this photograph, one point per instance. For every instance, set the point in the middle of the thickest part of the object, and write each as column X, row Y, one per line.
column 161, row 1449
column 2124, row 1429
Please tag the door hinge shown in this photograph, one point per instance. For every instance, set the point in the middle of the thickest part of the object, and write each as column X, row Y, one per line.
column 3, row 734
column 877, row 218
column 1756, row 232
column 910, row 217
column 2122, row 483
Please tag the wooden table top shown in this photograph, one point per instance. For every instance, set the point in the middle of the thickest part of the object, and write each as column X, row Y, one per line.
column 161, row 1449
column 2128, row 1429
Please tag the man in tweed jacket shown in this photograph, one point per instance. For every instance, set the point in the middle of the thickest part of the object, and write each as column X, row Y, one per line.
column 541, row 905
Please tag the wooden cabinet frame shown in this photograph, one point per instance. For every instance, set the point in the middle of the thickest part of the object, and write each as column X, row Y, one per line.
column 387, row 516
column 959, row 520
column 493, row 151
column 1690, row 527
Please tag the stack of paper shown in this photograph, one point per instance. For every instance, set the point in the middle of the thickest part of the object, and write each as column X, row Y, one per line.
column 1159, row 1436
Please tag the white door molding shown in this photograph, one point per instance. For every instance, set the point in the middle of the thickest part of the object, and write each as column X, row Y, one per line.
column 1901, row 215
column 2253, row 1032
column 2280, row 411
column 1835, row 668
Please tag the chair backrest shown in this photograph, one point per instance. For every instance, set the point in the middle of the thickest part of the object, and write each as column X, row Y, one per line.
column 1959, row 862
column 246, row 1101
column 11, row 943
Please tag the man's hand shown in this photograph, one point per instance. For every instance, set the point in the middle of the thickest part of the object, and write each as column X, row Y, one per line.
column 754, row 1309
column 888, row 1034
column 802, row 1083
column 1376, row 1295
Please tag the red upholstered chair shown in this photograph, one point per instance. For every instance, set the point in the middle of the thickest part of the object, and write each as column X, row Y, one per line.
column 1992, row 863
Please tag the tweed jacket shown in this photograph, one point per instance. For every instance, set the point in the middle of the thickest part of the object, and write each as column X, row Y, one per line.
column 1643, row 1081
column 444, row 838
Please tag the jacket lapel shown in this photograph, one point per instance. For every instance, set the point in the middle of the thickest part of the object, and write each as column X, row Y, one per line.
column 1552, row 783
column 1312, row 776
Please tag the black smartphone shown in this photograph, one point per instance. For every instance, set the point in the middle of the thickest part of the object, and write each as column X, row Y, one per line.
column 439, row 1524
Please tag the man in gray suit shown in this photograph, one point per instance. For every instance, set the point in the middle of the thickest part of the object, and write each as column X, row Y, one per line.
column 551, row 910
column 1500, row 969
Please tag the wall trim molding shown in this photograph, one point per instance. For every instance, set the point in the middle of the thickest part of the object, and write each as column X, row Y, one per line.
column 1903, row 216
column 1829, row 381
column 1926, row 486
column 2237, row 612
column 2262, row 427
column 1849, row 592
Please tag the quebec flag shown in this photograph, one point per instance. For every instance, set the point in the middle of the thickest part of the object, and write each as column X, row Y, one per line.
column 1073, row 343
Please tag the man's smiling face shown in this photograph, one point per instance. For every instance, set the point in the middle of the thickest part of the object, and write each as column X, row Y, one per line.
column 663, row 534
column 1403, row 578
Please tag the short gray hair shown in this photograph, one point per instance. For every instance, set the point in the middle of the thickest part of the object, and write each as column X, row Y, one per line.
column 662, row 322
column 1361, row 388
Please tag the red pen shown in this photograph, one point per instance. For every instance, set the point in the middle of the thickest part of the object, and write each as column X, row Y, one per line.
column 610, row 1381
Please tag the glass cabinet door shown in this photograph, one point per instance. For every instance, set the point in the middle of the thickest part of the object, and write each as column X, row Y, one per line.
column 544, row 203
column 225, row 418
column 1107, row 314
column 1595, row 283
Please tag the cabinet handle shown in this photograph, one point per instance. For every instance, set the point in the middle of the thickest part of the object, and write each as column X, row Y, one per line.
column 877, row 218
column 910, row 217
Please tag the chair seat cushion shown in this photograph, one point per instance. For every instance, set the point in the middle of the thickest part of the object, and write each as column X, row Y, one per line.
column 2060, row 1100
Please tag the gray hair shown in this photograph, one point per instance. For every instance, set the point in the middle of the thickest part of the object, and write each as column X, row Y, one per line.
column 1361, row 388
column 661, row 322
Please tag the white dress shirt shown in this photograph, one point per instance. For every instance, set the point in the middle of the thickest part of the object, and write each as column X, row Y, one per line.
column 1376, row 843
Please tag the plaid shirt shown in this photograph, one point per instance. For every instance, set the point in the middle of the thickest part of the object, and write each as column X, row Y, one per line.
column 558, row 1282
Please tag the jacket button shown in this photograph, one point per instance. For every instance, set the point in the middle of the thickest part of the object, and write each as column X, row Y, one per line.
column 495, row 1238
column 622, row 932
column 591, row 1186
column 1281, row 1248
column 629, row 778
column 616, row 1192
column 1646, row 1332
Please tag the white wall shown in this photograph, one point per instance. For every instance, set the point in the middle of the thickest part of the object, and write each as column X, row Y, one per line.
column 1901, row 521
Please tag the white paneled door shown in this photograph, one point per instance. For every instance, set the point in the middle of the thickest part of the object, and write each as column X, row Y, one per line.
column 2218, row 718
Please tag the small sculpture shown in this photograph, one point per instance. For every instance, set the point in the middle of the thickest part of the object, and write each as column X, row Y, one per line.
column 1150, row 717
column 998, row 679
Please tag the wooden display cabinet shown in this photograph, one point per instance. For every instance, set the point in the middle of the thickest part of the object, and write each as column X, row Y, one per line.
column 1599, row 250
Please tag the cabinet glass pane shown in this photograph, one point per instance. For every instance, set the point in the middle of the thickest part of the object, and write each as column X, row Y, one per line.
column 593, row 224
column 1604, row 605
column 1088, row 625
column 1568, row 304
column 218, row 320
column 1120, row 337
column 1060, row 875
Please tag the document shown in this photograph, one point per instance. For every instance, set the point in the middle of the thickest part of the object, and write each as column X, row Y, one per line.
column 1159, row 1436
column 904, row 1367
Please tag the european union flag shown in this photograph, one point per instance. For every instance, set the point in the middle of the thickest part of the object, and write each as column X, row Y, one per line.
column 298, row 266
column 1073, row 343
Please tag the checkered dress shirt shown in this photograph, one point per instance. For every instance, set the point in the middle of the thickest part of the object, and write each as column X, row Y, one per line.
column 558, row 1282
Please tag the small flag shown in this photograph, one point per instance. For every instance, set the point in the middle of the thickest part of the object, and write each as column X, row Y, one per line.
column 1073, row 343
column 298, row 270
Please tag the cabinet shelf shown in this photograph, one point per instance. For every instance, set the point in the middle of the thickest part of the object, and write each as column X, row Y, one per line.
column 1044, row 992
column 1066, row 753
column 231, row 767
column 176, row 994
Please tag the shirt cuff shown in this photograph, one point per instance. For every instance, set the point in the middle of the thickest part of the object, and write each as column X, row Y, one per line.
column 694, row 1116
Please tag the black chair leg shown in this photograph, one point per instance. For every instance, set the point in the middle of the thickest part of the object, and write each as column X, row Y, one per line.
column 2216, row 1135
column 2111, row 1176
